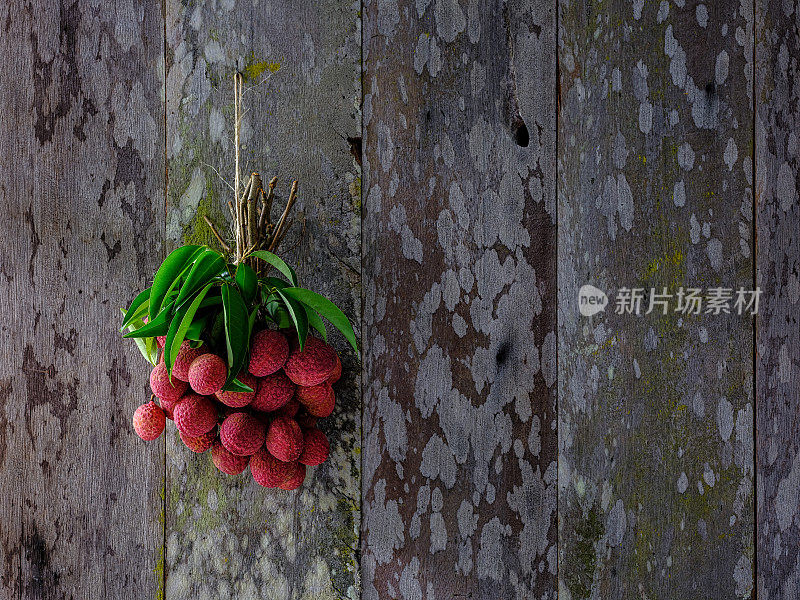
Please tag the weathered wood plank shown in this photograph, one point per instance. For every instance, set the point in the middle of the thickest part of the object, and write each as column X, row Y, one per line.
column 778, row 338
column 459, row 489
column 655, row 411
column 82, row 210
column 228, row 537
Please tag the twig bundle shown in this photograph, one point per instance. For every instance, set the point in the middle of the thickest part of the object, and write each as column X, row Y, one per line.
column 252, row 227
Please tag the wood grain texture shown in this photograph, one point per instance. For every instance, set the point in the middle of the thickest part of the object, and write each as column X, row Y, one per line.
column 81, row 205
column 228, row 537
column 655, row 411
column 778, row 340
column 459, row 493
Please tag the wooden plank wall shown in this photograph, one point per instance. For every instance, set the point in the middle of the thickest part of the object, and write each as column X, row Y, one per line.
column 459, row 489
column 81, row 204
column 513, row 151
column 655, row 191
column 777, row 108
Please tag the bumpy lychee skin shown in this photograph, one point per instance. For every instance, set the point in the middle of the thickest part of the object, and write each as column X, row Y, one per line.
column 195, row 415
column 285, row 439
column 268, row 352
column 267, row 470
column 242, row 434
column 228, row 463
column 315, row 447
column 273, row 392
column 185, row 358
column 161, row 386
column 168, row 406
column 149, row 421
column 319, row 400
column 290, row 409
column 200, row 443
column 337, row 371
column 313, row 365
column 161, row 340
column 240, row 399
column 207, row 374
column 297, row 474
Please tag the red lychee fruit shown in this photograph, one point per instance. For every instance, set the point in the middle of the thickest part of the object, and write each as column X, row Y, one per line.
column 228, row 463
column 207, row 374
column 161, row 386
column 168, row 406
column 313, row 365
column 267, row 470
column 337, row 371
column 285, row 439
column 200, row 443
column 242, row 434
column 240, row 399
column 319, row 400
column 195, row 415
column 290, row 409
column 184, row 359
column 297, row 474
column 149, row 421
column 161, row 340
column 273, row 392
column 268, row 352
column 315, row 447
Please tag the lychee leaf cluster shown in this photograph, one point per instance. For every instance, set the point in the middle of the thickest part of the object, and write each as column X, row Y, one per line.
column 200, row 297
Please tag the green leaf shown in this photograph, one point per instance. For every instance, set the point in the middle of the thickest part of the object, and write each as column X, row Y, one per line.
column 177, row 329
column 315, row 321
column 146, row 345
column 237, row 330
column 298, row 315
column 251, row 322
column 247, row 280
column 168, row 274
column 157, row 326
column 196, row 328
column 277, row 262
column 137, row 308
column 236, row 386
column 207, row 266
column 327, row 309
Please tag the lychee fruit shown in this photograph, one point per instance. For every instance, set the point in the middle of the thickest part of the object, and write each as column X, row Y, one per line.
column 195, row 415
column 290, row 409
column 268, row 352
column 267, row 470
column 149, row 421
column 242, row 434
column 168, row 406
column 161, row 340
column 228, row 463
column 315, row 447
column 207, row 374
column 200, row 443
column 184, row 359
column 297, row 473
column 313, row 365
column 273, row 392
column 285, row 439
column 337, row 371
column 240, row 399
column 319, row 400
column 161, row 386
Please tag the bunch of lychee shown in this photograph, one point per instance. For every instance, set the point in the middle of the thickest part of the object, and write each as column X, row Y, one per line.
column 273, row 429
